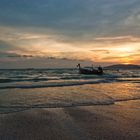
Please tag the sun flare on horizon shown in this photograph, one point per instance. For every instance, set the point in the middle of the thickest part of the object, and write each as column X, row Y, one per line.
column 126, row 61
column 49, row 31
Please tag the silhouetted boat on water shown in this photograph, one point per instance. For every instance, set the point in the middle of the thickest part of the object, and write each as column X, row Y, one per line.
column 99, row 71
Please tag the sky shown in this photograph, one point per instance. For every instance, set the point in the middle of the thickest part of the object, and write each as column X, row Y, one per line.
column 61, row 33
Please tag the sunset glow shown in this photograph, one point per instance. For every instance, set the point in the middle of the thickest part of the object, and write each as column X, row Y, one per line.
column 73, row 37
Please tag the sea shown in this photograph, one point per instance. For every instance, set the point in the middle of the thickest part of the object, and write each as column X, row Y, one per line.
column 22, row 89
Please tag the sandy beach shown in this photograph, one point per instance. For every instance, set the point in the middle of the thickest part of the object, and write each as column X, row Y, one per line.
column 69, row 69
column 120, row 121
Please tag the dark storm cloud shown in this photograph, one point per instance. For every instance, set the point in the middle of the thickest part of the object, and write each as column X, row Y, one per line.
column 74, row 18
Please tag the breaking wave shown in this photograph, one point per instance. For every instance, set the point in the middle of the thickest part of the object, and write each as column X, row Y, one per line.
column 25, row 89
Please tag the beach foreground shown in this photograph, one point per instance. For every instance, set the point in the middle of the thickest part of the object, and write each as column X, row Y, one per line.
column 120, row 121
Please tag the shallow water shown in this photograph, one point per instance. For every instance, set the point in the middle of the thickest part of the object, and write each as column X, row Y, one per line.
column 24, row 89
column 38, row 78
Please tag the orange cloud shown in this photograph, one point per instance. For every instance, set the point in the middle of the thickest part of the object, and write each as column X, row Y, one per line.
column 120, row 49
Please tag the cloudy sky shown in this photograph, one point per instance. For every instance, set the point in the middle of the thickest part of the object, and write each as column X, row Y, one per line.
column 53, row 33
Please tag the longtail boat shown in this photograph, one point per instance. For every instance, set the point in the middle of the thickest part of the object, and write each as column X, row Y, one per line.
column 91, row 71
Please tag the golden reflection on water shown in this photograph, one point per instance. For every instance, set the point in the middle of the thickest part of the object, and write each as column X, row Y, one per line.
column 67, row 96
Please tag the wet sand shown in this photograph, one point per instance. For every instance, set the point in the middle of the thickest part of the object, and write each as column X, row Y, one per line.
column 120, row 121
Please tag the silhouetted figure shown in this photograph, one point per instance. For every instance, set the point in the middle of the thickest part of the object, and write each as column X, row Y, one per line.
column 100, row 69
column 79, row 66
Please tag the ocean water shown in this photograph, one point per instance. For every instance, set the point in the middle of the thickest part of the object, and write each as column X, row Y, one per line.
column 39, row 88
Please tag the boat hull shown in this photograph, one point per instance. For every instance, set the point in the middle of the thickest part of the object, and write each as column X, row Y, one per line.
column 90, row 72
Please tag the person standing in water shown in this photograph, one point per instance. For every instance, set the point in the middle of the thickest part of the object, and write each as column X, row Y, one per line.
column 100, row 69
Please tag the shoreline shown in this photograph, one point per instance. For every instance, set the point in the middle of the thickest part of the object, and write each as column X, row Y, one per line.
column 63, row 106
column 119, row 121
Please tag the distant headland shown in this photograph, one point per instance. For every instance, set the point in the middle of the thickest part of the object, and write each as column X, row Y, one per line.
column 123, row 66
